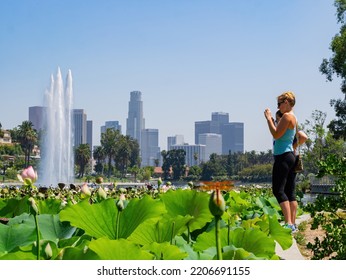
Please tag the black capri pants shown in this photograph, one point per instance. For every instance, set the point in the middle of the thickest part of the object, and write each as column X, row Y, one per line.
column 284, row 177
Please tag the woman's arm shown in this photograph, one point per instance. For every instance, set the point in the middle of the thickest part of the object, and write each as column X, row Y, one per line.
column 284, row 123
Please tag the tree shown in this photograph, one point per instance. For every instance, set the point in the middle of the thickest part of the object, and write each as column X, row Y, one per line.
column 135, row 159
column 27, row 137
column 1, row 132
column 82, row 158
column 320, row 144
column 109, row 141
column 174, row 159
column 336, row 65
column 214, row 168
column 123, row 153
column 99, row 156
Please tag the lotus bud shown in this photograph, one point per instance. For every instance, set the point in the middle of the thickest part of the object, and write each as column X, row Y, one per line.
column 190, row 184
column 29, row 173
column 217, row 205
column 33, row 206
column 122, row 190
column 159, row 182
column 120, row 204
column 99, row 180
column 85, row 191
column 48, row 251
column 101, row 193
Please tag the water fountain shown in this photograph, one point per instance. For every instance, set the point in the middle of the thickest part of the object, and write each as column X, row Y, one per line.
column 57, row 158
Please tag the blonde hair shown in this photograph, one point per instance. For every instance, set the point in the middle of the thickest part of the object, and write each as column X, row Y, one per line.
column 289, row 96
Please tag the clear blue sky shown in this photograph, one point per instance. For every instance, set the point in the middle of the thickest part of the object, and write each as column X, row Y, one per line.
column 189, row 58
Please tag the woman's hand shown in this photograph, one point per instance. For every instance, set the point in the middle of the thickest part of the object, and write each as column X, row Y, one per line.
column 268, row 114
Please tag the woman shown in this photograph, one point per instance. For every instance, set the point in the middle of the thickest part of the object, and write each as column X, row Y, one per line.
column 283, row 177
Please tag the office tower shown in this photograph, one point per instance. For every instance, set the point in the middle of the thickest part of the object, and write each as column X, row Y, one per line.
column 150, row 150
column 90, row 136
column 195, row 154
column 202, row 127
column 174, row 140
column 111, row 124
column 233, row 138
column 232, row 133
column 135, row 121
column 36, row 114
column 80, row 127
column 212, row 142
column 220, row 117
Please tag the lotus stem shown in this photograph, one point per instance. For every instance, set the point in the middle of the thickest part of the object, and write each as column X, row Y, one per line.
column 118, row 225
column 172, row 235
column 217, row 238
column 37, row 237
column 228, row 231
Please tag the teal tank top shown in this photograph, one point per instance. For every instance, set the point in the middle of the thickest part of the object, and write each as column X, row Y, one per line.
column 284, row 144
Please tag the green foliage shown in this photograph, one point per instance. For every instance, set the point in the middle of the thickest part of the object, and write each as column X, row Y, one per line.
column 336, row 66
column 188, row 203
column 172, row 226
column 173, row 160
column 327, row 212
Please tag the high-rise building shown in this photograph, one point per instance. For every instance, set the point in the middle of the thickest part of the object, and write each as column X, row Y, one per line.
column 90, row 136
column 150, row 150
column 212, row 142
column 233, row 138
column 36, row 116
column 174, row 140
column 135, row 121
column 195, row 154
column 80, row 127
column 232, row 133
column 202, row 127
column 111, row 124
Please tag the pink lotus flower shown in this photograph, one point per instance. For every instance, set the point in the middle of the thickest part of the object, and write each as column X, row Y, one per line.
column 28, row 176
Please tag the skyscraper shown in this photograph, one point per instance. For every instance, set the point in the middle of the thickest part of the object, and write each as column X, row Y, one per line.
column 150, row 150
column 80, row 127
column 212, row 142
column 233, row 138
column 111, row 124
column 174, row 140
column 90, row 136
column 232, row 132
column 36, row 116
column 135, row 121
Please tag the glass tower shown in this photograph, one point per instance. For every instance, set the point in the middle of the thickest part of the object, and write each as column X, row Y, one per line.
column 135, row 120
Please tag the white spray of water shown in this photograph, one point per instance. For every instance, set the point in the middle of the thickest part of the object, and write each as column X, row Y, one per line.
column 57, row 158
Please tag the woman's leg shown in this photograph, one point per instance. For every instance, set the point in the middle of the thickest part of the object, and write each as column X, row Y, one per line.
column 286, row 211
column 280, row 180
column 293, row 210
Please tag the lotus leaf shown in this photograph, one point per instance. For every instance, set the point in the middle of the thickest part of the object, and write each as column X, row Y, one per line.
column 188, row 202
column 119, row 249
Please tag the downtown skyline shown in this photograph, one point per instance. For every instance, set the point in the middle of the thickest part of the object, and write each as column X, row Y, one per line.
column 188, row 58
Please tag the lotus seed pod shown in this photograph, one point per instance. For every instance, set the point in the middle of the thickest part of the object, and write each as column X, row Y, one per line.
column 99, row 180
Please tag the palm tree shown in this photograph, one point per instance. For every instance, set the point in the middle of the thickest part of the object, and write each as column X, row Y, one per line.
column 109, row 141
column 82, row 158
column 123, row 154
column 27, row 137
column 99, row 156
